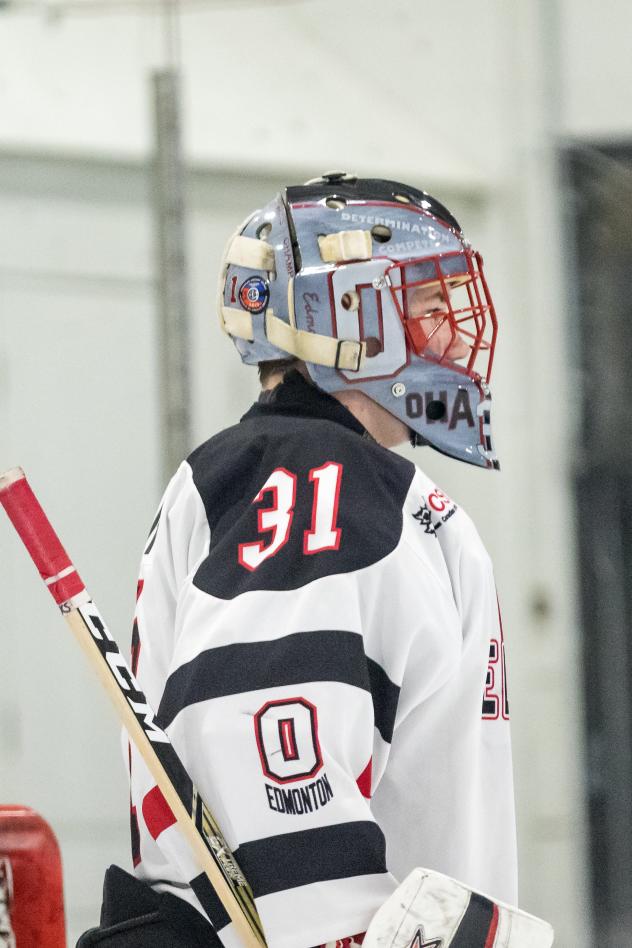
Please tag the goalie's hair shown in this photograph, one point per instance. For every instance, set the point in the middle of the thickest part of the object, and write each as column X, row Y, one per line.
column 273, row 366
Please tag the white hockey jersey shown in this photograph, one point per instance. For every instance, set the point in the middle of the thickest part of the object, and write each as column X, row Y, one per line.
column 317, row 625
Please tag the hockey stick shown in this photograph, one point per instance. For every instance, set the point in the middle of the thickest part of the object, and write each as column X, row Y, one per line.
column 220, row 875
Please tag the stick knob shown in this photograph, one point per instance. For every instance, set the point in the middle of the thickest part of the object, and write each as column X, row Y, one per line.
column 10, row 477
column 34, row 529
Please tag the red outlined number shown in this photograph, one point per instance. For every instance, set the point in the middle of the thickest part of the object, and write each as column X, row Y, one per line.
column 286, row 732
column 495, row 703
column 492, row 697
column 276, row 519
column 324, row 533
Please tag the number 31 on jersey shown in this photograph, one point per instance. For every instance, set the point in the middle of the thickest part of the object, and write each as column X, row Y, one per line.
column 276, row 519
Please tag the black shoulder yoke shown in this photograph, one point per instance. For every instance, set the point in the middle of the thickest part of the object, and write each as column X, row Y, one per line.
column 299, row 432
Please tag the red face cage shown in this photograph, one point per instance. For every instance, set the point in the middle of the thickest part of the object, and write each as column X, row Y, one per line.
column 447, row 311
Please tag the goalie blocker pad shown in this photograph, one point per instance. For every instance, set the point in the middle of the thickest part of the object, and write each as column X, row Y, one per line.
column 31, row 883
column 430, row 910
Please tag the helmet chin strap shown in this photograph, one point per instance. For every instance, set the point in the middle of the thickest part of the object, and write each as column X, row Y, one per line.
column 416, row 440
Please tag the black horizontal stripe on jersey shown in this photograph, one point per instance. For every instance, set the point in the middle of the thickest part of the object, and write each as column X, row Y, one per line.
column 209, row 898
column 294, row 659
column 324, row 854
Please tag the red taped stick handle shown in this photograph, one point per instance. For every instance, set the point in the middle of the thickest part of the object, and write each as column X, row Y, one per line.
column 34, row 529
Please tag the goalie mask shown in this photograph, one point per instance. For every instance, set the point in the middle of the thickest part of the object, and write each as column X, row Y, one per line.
column 373, row 285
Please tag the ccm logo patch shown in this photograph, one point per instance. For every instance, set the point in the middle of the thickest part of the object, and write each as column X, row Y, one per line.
column 437, row 511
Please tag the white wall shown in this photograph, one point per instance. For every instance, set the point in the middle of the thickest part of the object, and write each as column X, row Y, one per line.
column 595, row 69
column 269, row 87
column 77, row 412
column 467, row 100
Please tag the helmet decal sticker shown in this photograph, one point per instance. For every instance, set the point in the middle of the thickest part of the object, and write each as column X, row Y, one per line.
column 254, row 294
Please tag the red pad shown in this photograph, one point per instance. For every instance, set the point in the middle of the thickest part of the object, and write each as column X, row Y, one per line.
column 37, row 911
column 38, row 536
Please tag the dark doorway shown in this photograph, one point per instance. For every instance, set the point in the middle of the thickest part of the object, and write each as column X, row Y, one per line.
column 600, row 330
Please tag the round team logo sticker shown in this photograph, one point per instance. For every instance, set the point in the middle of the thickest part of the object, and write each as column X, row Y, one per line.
column 254, row 294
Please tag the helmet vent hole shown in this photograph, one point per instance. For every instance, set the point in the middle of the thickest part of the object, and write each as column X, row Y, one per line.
column 263, row 230
column 373, row 346
column 381, row 233
column 350, row 300
column 402, row 198
column 336, row 203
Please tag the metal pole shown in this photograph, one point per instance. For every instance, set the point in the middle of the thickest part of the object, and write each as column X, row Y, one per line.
column 171, row 267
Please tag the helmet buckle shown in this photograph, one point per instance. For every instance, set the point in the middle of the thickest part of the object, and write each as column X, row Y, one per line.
column 344, row 354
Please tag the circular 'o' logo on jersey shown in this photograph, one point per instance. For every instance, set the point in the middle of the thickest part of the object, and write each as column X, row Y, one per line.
column 286, row 731
column 254, row 294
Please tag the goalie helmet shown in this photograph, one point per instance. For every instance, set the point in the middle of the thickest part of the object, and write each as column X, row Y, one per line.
column 373, row 285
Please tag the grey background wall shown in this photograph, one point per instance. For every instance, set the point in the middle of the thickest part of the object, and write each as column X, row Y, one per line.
column 471, row 102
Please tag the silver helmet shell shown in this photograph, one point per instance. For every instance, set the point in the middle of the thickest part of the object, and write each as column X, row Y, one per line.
column 373, row 285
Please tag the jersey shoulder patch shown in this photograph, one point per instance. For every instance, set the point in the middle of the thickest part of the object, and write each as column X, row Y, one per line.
column 290, row 500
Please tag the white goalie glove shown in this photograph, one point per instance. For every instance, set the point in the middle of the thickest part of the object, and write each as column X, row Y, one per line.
column 430, row 910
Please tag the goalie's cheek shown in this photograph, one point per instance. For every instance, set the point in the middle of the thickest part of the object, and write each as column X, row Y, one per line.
column 433, row 335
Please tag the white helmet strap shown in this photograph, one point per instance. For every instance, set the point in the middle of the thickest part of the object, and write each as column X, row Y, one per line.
column 346, row 245
column 348, row 354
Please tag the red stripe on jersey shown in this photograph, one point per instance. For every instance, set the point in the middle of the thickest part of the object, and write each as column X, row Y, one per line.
column 135, row 835
column 493, row 925
column 364, row 780
column 157, row 813
column 135, row 649
column 135, row 653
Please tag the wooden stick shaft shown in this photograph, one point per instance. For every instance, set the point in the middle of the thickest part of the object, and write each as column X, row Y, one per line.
column 196, row 822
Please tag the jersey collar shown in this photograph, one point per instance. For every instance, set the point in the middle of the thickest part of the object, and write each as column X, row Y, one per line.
column 296, row 396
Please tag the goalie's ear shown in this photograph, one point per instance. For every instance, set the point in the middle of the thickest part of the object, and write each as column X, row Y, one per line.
column 430, row 910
